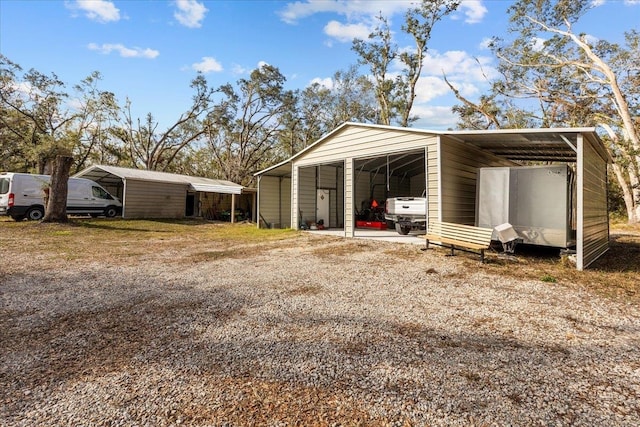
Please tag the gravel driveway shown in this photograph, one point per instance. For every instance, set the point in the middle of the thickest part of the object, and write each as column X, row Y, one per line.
column 308, row 331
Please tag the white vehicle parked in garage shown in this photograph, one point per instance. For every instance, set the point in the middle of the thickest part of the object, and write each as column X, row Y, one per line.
column 22, row 196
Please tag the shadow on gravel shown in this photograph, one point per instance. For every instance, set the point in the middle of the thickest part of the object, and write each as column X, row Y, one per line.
column 623, row 254
column 401, row 371
column 106, row 333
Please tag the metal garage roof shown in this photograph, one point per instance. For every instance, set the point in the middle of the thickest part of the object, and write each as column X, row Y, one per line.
column 115, row 174
column 519, row 145
column 552, row 145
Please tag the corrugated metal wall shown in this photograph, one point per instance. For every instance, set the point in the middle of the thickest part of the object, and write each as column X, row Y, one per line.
column 349, row 219
column 460, row 163
column 361, row 143
column 433, row 180
column 358, row 142
column 146, row 199
column 331, row 177
column 275, row 201
column 307, row 194
column 593, row 219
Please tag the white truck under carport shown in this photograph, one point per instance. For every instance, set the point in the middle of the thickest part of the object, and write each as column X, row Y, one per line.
column 407, row 214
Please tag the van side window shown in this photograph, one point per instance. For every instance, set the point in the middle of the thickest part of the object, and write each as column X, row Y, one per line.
column 100, row 193
column 4, row 185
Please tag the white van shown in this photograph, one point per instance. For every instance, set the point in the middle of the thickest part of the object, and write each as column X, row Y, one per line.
column 22, row 196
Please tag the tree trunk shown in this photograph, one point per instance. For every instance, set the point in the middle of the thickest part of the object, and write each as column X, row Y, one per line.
column 56, row 210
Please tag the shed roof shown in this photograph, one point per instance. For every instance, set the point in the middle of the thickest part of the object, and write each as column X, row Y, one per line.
column 539, row 144
column 114, row 174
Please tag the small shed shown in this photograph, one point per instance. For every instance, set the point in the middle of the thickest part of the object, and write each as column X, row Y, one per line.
column 357, row 163
column 152, row 194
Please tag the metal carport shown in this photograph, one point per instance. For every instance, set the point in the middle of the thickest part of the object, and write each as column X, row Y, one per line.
column 153, row 194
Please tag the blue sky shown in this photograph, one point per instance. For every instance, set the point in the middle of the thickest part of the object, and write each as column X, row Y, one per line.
column 149, row 51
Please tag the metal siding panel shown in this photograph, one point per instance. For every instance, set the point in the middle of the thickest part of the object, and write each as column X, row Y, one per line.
column 348, row 198
column 275, row 200
column 295, row 179
column 328, row 179
column 155, row 199
column 360, row 143
column 340, row 195
column 594, row 221
column 285, row 200
column 433, row 180
column 460, row 163
column 307, row 193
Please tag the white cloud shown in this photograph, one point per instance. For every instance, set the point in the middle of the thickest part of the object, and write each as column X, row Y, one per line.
column 537, row 44
column 473, row 11
column 485, row 43
column 190, row 13
column 207, row 65
column 434, row 117
column 238, row 69
column 346, row 32
column 97, row 10
column 592, row 40
column 460, row 64
column 429, row 88
column 351, row 9
column 326, row 82
column 632, row 2
column 125, row 52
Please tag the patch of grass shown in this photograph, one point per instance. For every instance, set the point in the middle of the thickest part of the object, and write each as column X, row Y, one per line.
column 548, row 279
column 122, row 242
column 342, row 249
column 614, row 275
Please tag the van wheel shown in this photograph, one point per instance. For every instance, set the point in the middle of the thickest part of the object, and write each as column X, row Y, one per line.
column 110, row 211
column 35, row 214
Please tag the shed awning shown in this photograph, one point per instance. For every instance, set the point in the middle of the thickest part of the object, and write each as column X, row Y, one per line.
column 115, row 174
column 208, row 188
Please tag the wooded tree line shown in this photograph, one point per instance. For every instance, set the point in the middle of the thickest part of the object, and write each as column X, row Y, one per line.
column 550, row 76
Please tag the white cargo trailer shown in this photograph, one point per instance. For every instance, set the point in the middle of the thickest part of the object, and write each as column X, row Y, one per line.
column 538, row 201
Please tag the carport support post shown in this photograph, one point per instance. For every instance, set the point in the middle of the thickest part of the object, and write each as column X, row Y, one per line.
column 233, row 208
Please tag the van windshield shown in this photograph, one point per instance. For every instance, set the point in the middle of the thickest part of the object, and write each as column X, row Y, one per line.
column 100, row 193
column 4, row 185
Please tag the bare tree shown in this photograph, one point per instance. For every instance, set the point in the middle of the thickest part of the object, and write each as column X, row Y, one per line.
column 574, row 80
column 244, row 129
column 148, row 148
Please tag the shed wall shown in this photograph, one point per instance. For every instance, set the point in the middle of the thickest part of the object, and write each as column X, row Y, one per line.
column 433, row 180
column 460, row 163
column 307, row 194
column 349, row 220
column 275, row 200
column 330, row 177
column 357, row 142
column 593, row 226
column 146, row 199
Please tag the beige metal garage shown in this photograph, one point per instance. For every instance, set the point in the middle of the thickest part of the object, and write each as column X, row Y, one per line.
column 152, row 194
column 363, row 162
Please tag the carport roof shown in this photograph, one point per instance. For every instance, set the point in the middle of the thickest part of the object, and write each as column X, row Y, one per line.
column 520, row 145
column 115, row 174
